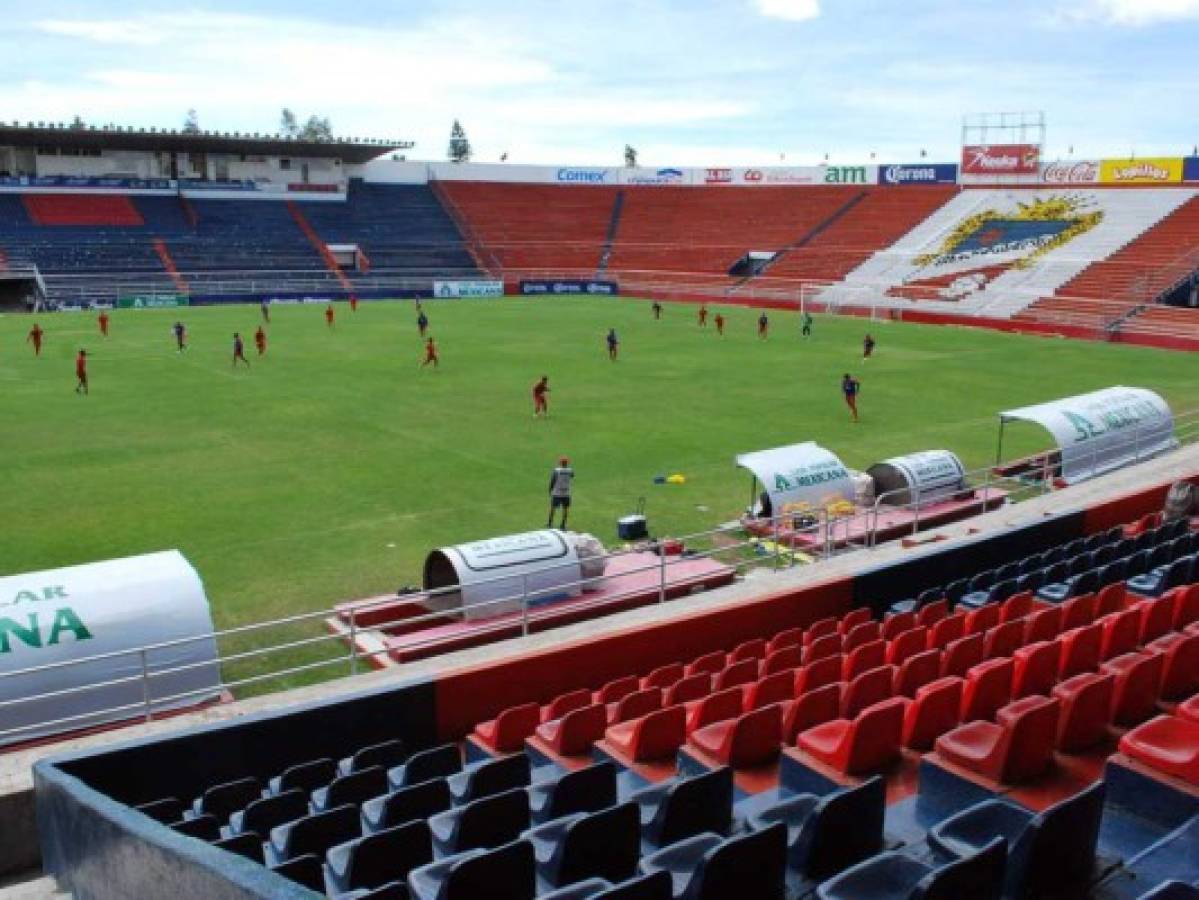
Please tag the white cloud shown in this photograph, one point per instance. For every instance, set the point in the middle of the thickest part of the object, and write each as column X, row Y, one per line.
column 791, row 10
column 104, row 31
column 1135, row 12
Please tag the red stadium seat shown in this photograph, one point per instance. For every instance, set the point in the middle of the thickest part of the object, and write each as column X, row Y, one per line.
column 790, row 637
column 506, row 733
column 1157, row 619
column 1086, row 710
column 776, row 688
column 751, row 739
column 655, row 736
column 693, row 687
column 1080, row 650
column 1110, row 598
column 852, row 619
column 951, row 628
column 715, row 707
column 915, row 672
column 1036, row 669
column 907, row 645
column 983, row 618
column 1078, row 611
column 1016, row 607
column 663, row 676
column 818, row 674
column 1186, row 606
column 934, row 711
column 1137, row 686
column 782, row 660
column 755, row 649
column 575, row 732
column 1043, row 624
column 1180, row 668
column 962, row 655
column 739, row 673
column 987, row 687
column 709, row 662
column 822, row 647
column 615, row 690
column 1121, row 633
column 635, row 705
column 1003, row 640
column 865, row 633
column 1017, row 748
column 932, row 613
column 897, row 624
column 818, row 629
column 867, row 743
column 867, row 689
column 813, row 708
column 565, row 703
column 863, row 659
column 1168, row 744
column 1189, row 709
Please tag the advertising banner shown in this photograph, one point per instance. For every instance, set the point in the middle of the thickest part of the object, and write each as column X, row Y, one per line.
column 919, row 173
column 1151, row 170
column 477, row 288
column 568, row 286
column 718, row 176
column 582, row 175
column 1190, row 168
column 1083, row 171
column 664, row 176
column 1001, row 159
column 79, row 181
column 152, row 301
column 800, row 473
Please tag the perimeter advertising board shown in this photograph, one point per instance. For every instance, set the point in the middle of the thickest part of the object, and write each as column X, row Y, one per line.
column 1001, row 159
column 1150, row 170
column 475, row 288
column 919, row 173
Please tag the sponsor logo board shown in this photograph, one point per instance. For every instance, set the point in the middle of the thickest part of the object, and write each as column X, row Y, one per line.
column 1190, row 168
column 475, row 288
column 1001, row 159
column 667, row 175
column 919, row 173
column 718, row 176
column 1151, row 170
column 568, row 286
column 152, row 301
column 583, row 176
column 1071, row 172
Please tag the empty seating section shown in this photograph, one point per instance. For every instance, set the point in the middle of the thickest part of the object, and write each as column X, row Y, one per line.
column 668, row 782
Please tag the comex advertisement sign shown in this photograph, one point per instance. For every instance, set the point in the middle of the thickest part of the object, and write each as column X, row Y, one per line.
column 920, row 173
column 1001, row 159
column 1152, row 170
column 455, row 289
column 1084, row 171
column 568, row 286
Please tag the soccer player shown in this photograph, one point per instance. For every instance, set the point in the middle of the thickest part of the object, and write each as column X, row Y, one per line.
column 763, row 326
column 541, row 402
column 35, row 338
column 560, row 482
column 850, row 387
column 180, row 336
column 266, row 311
column 806, row 331
column 353, row 303
column 103, row 320
column 613, row 344
column 422, row 323
column 260, row 340
column 329, row 315
column 81, row 372
column 867, row 347
column 703, row 315
column 239, row 350
column 719, row 320
column 430, row 354
column 657, row 310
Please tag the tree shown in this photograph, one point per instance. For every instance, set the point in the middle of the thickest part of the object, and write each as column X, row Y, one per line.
column 288, row 126
column 317, row 129
column 630, row 156
column 459, row 150
column 191, row 122
column 78, row 124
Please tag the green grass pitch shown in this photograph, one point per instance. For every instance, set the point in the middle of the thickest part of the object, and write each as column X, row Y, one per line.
column 334, row 464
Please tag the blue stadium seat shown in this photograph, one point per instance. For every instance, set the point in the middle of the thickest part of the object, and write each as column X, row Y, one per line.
column 222, row 800
column 436, row 762
column 263, row 815
column 205, row 827
column 354, row 789
column 505, row 873
column 1172, row 890
column 307, row 776
column 684, row 807
column 420, row 801
column 709, row 867
column 894, row 876
column 604, row 844
column 584, row 790
column 379, row 858
column 580, row 890
column 493, row 776
column 303, row 870
column 394, row 890
column 488, row 822
column 655, row 886
column 247, row 844
column 313, row 834
column 387, row 754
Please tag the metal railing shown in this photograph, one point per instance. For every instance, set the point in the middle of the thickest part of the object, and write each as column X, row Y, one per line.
column 775, row 543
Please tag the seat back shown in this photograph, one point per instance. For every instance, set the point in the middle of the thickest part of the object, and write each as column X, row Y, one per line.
column 895, row 625
column 569, row 702
column 863, row 658
column 1078, row 611
column 1157, row 619
column 988, row 687
column 863, row 633
column 875, row 736
column 916, row 671
column 737, row 674
column 664, row 676
column 660, row 734
column 222, row 800
column 586, row 790
column 820, row 628
column 509, row 871
column 1003, row 640
column 978, row 876
column 708, row 662
column 1029, row 735
column 755, row 738
column 983, row 618
column 854, row 618
column 948, row 629
column 384, row 754
column 491, row 821
column 1062, row 851
column 717, row 707
column 265, row 814
column 655, row 886
column 812, row 708
column 907, row 645
column 932, row 613
column 580, row 728
column 818, row 674
column 1035, row 668
column 436, row 762
column 1016, row 607
column 496, row 776
column 867, row 689
column 962, row 655
column 409, row 804
column 753, row 649
column 617, row 689
column 776, row 688
column 356, row 787
column 1086, row 710
column 1043, row 625
column 604, row 844
column 307, row 776
column 303, row 870
column 1080, row 648
column 784, row 659
column 388, row 855
column 935, row 710
column 845, row 828
column 317, row 833
column 788, row 637
column 822, row 647
column 750, row 865
column 692, row 687
column 637, row 704
column 694, row 805
column 1180, row 668
column 1121, row 631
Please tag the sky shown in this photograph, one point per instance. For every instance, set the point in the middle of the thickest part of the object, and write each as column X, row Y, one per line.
column 686, row 82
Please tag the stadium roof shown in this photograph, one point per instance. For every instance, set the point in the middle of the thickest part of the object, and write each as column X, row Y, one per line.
column 351, row 150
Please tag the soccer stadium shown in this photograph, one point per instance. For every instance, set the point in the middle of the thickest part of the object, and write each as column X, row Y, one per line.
column 533, row 518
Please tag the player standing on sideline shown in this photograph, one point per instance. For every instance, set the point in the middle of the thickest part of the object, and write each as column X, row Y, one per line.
column 541, row 402
column 180, row 336
column 35, row 338
column 239, row 350
column 613, row 344
column 806, row 331
column 703, row 316
column 719, row 324
column 657, row 310
column 850, row 387
column 353, row 303
column 867, row 347
column 763, row 326
column 329, row 315
column 560, row 482
column 422, row 322
column 81, row 372
column 260, row 340
column 266, row 310
column 103, row 320
column 430, row 354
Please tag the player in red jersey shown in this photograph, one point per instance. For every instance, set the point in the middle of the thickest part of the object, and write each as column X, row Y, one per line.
column 763, row 326
column 103, row 320
column 430, row 354
column 703, row 316
column 35, row 338
column 719, row 323
column 541, row 400
column 81, row 372
column 353, row 303
column 239, row 350
column 329, row 315
column 850, row 387
column 260, row 340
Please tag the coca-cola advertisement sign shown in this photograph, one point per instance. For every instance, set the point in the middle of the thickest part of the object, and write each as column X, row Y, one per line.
column 1001, row 159
column 1080, row 172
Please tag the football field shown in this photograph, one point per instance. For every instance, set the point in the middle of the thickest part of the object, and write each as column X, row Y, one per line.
column 330, row 467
